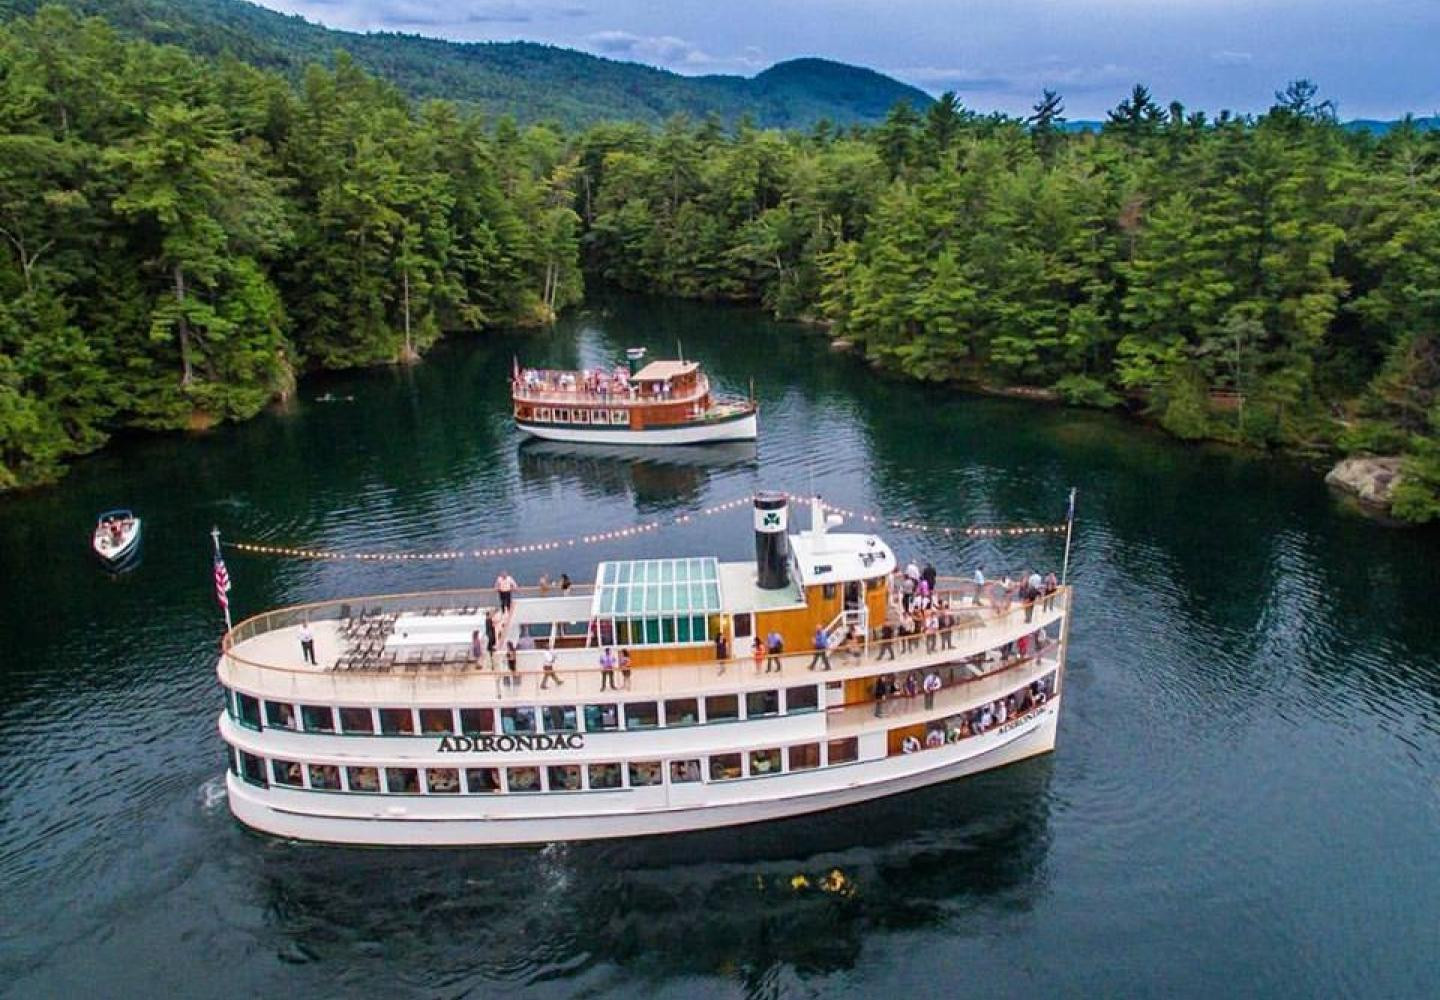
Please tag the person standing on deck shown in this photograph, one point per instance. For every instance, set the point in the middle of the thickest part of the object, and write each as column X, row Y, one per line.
column 547, row 668
column 775, row 645
column 822, row 646
column 722, row 649
column 607, row 670
column 979, row 584
column 504, row 587
column 491, row 640
column 932, row 684
column 307, row 643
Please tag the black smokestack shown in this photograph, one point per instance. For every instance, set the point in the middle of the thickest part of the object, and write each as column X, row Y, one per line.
column 772, row 546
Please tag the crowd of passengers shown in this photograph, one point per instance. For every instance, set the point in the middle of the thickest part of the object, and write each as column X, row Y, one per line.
column 596, row 381
column 979, row 721
column 893, row 689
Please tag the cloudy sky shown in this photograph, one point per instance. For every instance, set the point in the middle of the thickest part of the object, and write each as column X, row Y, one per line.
column 1376, row 58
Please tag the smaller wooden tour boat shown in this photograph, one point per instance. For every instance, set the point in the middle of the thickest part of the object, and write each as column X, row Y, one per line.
column 117, row 538
column 662, row 402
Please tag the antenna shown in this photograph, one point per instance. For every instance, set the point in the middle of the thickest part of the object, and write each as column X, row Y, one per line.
column 680, row 350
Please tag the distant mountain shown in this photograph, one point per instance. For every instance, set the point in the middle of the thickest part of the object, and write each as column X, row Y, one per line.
column 531, row 81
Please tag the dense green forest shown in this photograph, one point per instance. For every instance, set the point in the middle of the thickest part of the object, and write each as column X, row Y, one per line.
column 184, row 236
column 534, row 83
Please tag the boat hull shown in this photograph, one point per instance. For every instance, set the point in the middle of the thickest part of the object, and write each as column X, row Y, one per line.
column 292, row 814
column 119, row 557
column 742, row 428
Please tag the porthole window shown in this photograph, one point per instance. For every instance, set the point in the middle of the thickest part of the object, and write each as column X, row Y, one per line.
column 356, row 720
column 437, row 720
column 318, row 718
column 402, row 781
column 286, row 772
column 279, row 715
column 325, row 777
column 604, row 775
column 363, row 779
column 685, row 771
column 564, row 777
column 442, row 780
column 643, row 773
column 482, row 780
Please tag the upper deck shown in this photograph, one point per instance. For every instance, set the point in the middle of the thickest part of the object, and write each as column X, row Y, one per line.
column 418, row 648
column 659, row 381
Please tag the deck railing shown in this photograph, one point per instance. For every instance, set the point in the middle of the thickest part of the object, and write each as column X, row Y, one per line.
column 617, row 394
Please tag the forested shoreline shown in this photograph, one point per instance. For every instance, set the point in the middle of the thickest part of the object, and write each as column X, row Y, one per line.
column 183, row 237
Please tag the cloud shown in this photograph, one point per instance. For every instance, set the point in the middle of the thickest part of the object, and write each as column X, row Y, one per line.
column 669, row 51
column 1023, row 80
column 1228, row 57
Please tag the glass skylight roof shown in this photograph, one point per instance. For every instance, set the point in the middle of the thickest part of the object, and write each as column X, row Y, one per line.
column 658, row 587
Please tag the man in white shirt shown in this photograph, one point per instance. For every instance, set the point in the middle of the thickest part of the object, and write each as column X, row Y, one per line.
column 307, row 643
column 504, row 586
column 547, row 666
column 979, row 583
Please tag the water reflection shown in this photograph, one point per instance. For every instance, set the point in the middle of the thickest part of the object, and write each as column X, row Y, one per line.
column 804, row 893
column 655, row 475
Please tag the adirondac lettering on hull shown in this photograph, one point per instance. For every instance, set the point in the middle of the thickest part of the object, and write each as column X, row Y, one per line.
column 511, row 744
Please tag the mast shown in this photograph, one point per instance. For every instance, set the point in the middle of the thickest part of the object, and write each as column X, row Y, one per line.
column 1069, row 528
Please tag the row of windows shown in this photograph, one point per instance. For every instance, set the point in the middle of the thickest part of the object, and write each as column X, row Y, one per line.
column 551, row 778
column 547, row 415
column 595, row 718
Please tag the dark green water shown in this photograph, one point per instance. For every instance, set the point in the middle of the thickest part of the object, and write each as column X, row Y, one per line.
column 1244, row 798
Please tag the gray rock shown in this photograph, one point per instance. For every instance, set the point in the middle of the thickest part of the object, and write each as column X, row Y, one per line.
column 1371, row 480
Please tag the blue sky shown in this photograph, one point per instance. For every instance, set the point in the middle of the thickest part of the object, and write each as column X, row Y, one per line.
column 1376, row 58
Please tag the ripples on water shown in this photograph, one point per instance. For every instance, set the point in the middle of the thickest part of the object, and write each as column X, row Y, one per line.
column 1243, row 791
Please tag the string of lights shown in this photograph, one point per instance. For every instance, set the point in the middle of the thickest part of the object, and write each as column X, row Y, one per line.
column 648, row 527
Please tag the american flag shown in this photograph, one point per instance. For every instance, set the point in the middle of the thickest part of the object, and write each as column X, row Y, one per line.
column 222, row 581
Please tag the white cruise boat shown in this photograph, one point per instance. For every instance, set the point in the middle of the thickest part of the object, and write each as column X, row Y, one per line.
column 401, row 732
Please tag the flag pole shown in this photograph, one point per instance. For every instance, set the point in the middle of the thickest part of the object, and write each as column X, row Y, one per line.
column 225, row 600
column 1069, row 528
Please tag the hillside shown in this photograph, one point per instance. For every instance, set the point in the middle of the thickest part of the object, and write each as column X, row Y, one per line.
column 531, row 81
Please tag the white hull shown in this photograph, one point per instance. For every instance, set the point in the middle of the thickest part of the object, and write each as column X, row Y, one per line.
column 745, row 428
column 113, row 554
column 463, row 820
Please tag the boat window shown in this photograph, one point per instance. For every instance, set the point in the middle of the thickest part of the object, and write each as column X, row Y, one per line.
column 517, row 720
column 828, row 591
column 802, row 699
column 642, row 715
column 564, row 777
column 618, row 417
column 477, row 720
column 559, row 718
column 249, row 708
column 442, row 780
column 318, row 718
column 642, row 773
column 279, row 715
column 230, row 759
column 604, row 775
column 724, row 766
column 325, row 776
column 563, row 416
column 684, row 771
column 682, row 712
column 482, row 780
column 252, row 768
column 599, row 718
column 437, row 720
column 722, row 707
column 804, row 757
column 523, row 779
column 765, row 761
column 744, row 626
column 285, row 772
column 842, row 751
column 762, row 703
column 582, row 416
column 396, row 721
column 402, row 781
column 363, row 779
column 356, row 720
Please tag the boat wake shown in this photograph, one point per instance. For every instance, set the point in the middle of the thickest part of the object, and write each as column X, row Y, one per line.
column 212, row 795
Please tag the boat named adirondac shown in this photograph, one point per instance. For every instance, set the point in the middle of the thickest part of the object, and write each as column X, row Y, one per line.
column 402, row 732
column 662, row 402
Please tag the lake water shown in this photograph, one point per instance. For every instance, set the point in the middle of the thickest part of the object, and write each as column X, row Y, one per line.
column 1244, row 798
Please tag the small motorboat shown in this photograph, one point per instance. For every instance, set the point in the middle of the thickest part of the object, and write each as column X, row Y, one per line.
column 117, row 538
